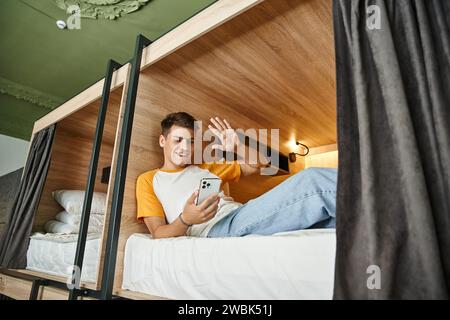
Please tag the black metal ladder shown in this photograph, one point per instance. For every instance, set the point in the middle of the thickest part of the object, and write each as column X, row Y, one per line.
column 84, row 223
column 108, row 271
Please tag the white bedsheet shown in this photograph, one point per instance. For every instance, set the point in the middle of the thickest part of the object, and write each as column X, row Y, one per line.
column 291, row 265
column 54, row 255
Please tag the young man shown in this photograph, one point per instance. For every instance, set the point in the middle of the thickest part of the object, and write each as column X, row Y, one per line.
column 166, row 196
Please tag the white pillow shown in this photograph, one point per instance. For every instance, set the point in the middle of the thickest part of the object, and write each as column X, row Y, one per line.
column 53, row 226
column 72, row 201
column 95, row 219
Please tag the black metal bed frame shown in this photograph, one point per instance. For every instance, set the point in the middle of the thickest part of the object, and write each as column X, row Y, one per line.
column 84, row 223
column 109, row 265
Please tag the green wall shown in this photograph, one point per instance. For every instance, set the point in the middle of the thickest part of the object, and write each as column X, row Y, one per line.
column 59, row 64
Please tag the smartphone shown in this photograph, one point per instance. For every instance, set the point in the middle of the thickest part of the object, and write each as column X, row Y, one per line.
column 207, row 187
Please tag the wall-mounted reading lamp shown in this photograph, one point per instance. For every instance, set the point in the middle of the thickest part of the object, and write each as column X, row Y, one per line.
column 293, row 155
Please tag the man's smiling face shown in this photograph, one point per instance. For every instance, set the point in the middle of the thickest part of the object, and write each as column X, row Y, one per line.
column 178, row 146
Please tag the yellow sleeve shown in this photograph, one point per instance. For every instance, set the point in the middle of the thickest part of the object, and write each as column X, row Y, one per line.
column 228, row 172
column 148, row 204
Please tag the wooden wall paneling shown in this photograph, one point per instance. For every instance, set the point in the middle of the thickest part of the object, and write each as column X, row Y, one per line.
column 271, row 67
column 324, row 160
column 145, row 154
column 322, row 156
column 323, row 149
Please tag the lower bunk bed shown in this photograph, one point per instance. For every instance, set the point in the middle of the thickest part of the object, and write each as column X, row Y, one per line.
column 49, row 268
column 54, row 254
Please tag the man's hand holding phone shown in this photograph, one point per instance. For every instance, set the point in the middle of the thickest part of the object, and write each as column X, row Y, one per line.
column 205, row 211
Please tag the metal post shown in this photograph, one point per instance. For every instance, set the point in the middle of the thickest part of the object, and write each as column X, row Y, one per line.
column 121, row 172
column 84, row 223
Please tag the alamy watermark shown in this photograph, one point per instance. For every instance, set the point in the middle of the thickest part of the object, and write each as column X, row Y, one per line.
column 373, row 20
column 374, row 280
column 73, row 281
column 229, row 145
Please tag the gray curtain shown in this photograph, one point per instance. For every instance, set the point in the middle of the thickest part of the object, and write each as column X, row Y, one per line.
column 9, row 184
column 15, row 238
column 393, row 106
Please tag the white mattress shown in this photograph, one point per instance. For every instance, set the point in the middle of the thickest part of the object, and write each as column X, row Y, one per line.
column 291, row 265
column 55, row 256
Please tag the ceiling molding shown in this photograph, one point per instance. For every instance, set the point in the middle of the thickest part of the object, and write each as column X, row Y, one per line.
column 107, row 9
column 29, row 94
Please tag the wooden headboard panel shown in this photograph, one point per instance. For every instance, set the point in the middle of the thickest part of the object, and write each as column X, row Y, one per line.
column 323, row 156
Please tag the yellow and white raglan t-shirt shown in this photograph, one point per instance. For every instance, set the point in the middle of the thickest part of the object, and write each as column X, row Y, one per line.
column 163, row 193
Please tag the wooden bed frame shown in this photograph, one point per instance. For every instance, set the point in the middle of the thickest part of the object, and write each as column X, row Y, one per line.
column 259, row 64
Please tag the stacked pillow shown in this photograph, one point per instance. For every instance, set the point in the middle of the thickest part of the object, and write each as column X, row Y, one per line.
column 68, row 221
column 72, row 201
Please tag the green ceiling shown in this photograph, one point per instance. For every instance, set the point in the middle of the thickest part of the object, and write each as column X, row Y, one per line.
column 42, row 66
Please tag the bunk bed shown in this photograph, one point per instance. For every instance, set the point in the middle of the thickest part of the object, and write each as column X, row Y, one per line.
column 259, row 64
column 83, row 147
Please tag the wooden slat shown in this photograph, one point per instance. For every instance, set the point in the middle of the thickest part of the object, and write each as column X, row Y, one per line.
column 87, row 285
column 137, row 295
column 15, row 288
column 322, row 157
column 322, row 149
column 322, row 160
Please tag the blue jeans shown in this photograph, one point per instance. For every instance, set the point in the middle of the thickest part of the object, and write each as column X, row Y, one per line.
column 305, row 200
